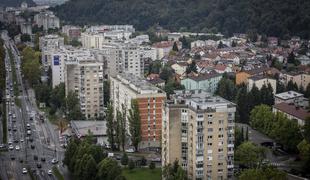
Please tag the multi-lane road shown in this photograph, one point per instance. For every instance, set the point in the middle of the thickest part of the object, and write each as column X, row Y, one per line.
column 33, row 144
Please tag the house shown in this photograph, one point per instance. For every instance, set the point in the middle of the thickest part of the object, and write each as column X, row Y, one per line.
column 158, row 82
column 291, row 97
column 242, row 77
column 180, row 68
column 221, row 68
column 303, row 59
column 292, row 111
column 206, row 82
column 163, row 48
column 272, row 41
column 97, row 128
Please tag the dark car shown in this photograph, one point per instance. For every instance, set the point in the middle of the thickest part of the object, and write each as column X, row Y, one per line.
column 32, row 146
column 12, row 157
column 39, row 165
column 43, row 159
column 35, row 157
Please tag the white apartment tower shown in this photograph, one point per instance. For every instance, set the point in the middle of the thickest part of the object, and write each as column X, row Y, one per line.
column 84, row 76
column 198, row 131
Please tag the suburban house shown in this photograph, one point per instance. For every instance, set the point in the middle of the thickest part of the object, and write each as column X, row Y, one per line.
column 288, row 97
column 180, row 68
column 292, row 111
column 302, row 79
column 206, row 82
column 259, row 81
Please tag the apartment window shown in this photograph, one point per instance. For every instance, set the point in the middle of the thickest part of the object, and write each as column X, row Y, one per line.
column 220, row 170
column 220, row 164
column 209, row 144
column 221, row 129
column 209, row 122
column 210, row 129
column 220, row 150
column 221, row 135
column 209, row 137
column 221, row 121
column 210, row 115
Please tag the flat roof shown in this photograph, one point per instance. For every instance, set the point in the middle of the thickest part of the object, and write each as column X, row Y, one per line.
column 292, row 110
column 288, row 95
column 81, row 128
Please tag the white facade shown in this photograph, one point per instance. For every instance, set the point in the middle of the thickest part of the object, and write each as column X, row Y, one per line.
column 260, row 81
column 47, row 19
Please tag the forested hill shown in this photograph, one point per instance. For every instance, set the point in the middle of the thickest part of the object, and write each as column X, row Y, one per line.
column 271, row 17
column 14, row 3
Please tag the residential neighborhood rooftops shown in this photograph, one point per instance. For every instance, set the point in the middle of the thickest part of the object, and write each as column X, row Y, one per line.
column 292, row 110
column 257, row 78
column 288, row 95
column 202, row 77
column 257, row 71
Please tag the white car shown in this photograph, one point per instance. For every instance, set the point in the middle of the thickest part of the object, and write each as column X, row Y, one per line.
column 11, row 147
column 17, row 147
column 22, row 140
column 130, row 150
column 49, row 172
column 25, row 171
column 54, row 161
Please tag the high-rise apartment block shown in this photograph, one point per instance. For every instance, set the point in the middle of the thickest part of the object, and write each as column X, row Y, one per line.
column 47, row 20
column 198, row 131
column 84, row 76
column 125, row 88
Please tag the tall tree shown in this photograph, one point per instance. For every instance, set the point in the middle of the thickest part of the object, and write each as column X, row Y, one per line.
column 242, row 105
column 175, row 47
column 108, row 169
column 249, row 154
column 73, row 107
column 121, row 123
column 110, row 126
column 135, row 124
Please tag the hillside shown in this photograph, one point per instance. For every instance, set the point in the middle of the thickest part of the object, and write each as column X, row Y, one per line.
column 14, row 3
column 271, row 17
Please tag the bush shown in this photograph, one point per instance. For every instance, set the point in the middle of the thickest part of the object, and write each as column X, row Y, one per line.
column 124, row 160
column 131, row 164
column 152, row 165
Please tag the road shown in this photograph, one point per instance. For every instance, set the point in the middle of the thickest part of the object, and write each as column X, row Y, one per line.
column 34, row 147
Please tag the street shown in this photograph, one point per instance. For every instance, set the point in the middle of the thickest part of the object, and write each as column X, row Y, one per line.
column 27, row 134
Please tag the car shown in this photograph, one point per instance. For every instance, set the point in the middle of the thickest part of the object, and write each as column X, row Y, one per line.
column 14, row 128
column 35, row 157
column 20, row 160
column 11, row 147
column 2, row 146
column 14, row 115
column 22, row 140
column 32, row 146
column 43, row 159
column 49, row 172
column 54, row 161
column 25, row 171
column 39, row 165
column 12, row 157
column 28, row 132
column 16, row 140
column 17, row 147
column 130, row 150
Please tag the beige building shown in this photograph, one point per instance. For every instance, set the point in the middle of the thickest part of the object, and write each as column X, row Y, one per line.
column 198, row 131
column 301, row 79
column 84, row 76
column 259, row 81
column 125, row 88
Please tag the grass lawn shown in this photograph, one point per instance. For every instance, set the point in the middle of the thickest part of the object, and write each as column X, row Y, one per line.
column 142, row 174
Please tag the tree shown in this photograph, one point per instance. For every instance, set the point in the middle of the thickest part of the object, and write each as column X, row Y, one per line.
column 90, row 169
column 108, row 169
column 304, row 152
column 247, row 134
column 110, row 125
column 226, row 89
column 124, row 159
column 25, row 38
column 121, row 128
column 174, row 172
column 233, row 44
column 135, row 124
column 191, row 67
column 264, row 173
column 69, row 153
column 249, row 155
column 175, row 47
column 73, row 107
column 152, row 165
column 131, row 164
column 242, row 105
column 238, row 136
column 266, row 93
column 307, row 93
column 166, row 73
column 291, row 86
column 221, row 45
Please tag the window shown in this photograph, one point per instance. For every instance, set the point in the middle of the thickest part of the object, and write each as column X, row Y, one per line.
column 210, row 115
column 221, row 135
column 209, row 122
column 221, row 121
column 210, row 129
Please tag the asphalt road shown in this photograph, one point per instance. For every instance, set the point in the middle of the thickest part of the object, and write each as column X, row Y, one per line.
column 33, row 145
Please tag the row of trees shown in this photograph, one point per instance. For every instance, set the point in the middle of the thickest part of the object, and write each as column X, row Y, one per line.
column 87, row 161
column 245, row 100
column 116, row 126
column 277, row 126
column 2, row 91
column 30, row 65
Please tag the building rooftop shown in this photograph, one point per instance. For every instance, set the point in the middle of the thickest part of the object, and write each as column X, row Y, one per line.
column 293, row 110
column 138, row 84
column 202, row 77
column 81, row 128
column 199, row 100
column 288, row 95
column 257, row 70
column 257, row 78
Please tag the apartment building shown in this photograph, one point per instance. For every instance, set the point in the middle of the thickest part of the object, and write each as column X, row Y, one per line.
column 198, row 131
column 57, row 58
column 126, row 87
column 73, row 32
column 51, row 41
column 47, row 20
column 260, row 81
column 206, row 82
column 84, row 76
column 302, row 79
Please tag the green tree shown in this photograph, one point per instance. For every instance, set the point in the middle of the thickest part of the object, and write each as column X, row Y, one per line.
column 73, row 107
column 226, row 89
column 174, row 172
column 135, row 124
column 166, row 73
column 264, row 173
column 249, row 154
column 25, row 38
column 108, row 169
column 69, row 153
column 124, row 159
column 304, row 153
column 221, row 45
column 238, row 136
column 191, row 67
column 90, row 169
column 121, row 128
column 110, row 125
column 242, row 104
